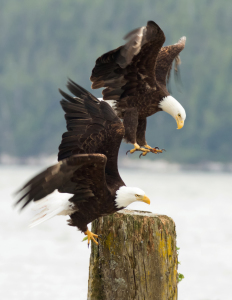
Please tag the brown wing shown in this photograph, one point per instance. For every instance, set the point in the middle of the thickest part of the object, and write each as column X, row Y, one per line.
column 165, row 59
column 82, row 175
column 129, row 68
column 90, row 123
column 93, row 128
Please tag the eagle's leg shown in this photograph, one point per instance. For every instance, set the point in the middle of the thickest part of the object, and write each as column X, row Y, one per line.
column 140, row 137
column 132, row 126
column 91, row 236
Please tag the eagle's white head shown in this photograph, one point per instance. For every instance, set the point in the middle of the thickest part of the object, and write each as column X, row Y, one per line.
column 175, row 109
column 126, row 195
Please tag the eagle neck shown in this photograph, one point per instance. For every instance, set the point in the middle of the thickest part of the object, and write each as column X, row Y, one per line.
column 121, row 198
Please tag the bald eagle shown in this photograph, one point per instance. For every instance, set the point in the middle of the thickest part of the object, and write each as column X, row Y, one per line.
column 86, row 177
column 135, row 76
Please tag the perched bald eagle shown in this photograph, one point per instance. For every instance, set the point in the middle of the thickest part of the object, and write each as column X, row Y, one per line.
column 135, row 77
column 86, row 177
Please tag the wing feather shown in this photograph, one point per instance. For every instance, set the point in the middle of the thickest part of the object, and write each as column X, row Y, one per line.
column 165, row 59
column 82, row 175
column 88, row 123
column 125, row 70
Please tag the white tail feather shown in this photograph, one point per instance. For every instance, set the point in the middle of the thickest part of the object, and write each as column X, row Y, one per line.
column 40, row 204
column 43, row 216
column 54, row 204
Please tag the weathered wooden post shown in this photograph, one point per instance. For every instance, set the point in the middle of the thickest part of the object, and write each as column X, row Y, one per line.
column 136, row 258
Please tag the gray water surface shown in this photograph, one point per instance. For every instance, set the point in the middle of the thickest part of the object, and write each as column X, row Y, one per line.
column 50, row 261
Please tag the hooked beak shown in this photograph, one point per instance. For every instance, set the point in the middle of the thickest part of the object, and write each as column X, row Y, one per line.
column 180, row 123
column 146, row 199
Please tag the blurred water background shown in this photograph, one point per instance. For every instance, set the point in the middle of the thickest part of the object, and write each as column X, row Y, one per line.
column 50, row 261
column 44, row 42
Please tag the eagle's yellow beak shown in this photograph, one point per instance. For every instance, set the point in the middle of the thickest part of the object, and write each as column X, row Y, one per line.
column 146, row 199
column 180, row 123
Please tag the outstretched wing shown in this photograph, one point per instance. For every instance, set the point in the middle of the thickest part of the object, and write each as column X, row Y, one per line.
column 129, row 69
column 91, row 125
column 165, row 59
column 93, row 128
column 82, row 175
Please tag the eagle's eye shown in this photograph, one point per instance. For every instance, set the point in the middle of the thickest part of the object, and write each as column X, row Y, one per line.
column 178, row 115
column 136, row 195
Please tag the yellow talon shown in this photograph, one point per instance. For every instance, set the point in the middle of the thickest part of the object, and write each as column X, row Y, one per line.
column 154, row 150
column 145, row 150
column 138, row 148
column 147, row 146
column 91, row 236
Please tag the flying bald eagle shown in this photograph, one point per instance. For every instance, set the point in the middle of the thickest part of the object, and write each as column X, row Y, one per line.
column 135, row 76
column 86, row 177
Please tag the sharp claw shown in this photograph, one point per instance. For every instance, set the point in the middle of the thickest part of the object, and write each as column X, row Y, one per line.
column 127, row 151
column 140, row 155
column 156, row 148
column 164, row 150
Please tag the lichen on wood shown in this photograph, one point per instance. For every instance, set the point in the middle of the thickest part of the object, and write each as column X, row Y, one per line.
column 136, row 257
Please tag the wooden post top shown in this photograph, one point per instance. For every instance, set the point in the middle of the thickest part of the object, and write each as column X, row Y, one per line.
column 143, row 214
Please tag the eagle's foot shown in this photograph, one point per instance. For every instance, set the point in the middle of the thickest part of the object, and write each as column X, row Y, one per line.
column 91, row 236
column 148, row 147
column 144, row 153
column 138, row 148
column 154, row 150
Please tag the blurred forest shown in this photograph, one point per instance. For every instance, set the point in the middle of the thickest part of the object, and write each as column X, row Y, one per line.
column 42, row 43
